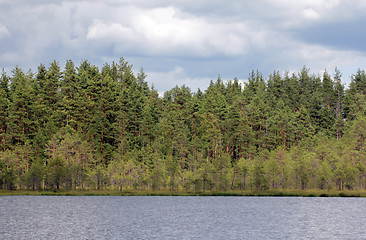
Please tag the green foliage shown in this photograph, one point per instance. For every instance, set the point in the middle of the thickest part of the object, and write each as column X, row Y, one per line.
column 85, row 128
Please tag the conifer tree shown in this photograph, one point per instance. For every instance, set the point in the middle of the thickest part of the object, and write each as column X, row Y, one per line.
column 19, row 109
column 4, row 109
column 339, row 104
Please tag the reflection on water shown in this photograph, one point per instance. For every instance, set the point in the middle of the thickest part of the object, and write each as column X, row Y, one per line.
column 99, row 217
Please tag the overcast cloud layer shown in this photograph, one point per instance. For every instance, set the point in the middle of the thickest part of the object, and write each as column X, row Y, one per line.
column 187, row 42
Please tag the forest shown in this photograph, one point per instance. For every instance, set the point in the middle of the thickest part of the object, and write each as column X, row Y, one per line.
column 84, row 127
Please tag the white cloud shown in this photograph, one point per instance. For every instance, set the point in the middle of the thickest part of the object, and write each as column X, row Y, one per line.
column 310, row 13
column 10, row 57
column 178, row 76
column 325, row 57
column 111, row 32
column 171, row 32
column 4, row 32
column 318, row 58
column 164, row 81
column 302, row 13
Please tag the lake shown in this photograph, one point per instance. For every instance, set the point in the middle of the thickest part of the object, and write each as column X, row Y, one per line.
column 143, row 217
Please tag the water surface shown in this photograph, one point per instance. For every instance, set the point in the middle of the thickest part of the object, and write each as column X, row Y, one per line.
column 142, row 217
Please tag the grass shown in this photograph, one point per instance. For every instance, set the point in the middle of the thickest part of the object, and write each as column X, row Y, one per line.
column 268, row 193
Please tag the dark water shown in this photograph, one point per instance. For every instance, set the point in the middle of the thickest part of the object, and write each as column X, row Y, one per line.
column 56, row 217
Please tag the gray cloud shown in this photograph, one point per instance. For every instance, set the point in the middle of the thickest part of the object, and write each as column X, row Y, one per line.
column 347, row 35
column 186, row 41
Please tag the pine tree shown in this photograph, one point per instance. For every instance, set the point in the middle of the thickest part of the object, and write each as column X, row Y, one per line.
column 327, row 113
column 69, row 92
column 214, row 109
column 103, row 97
column 276, row 89
column 46, row 101
column 355, row 96
column 280, row 126
column 4, row 109
column 339, row 96
column 19, row 108
column 40, row 114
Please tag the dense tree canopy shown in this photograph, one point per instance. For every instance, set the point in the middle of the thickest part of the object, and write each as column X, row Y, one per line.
column 89, row 128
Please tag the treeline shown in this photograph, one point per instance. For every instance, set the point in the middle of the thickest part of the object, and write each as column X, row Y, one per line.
column 90, row 128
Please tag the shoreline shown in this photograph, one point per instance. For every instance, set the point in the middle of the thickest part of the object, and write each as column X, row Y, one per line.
column 271, row 193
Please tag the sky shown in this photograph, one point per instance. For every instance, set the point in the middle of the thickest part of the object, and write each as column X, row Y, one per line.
column 187, row 42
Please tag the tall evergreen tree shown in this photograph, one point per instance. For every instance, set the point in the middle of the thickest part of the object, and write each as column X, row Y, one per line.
column 19, row 108
column 4, row 109
column 339, row 104
column 355, row 96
